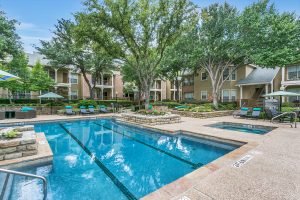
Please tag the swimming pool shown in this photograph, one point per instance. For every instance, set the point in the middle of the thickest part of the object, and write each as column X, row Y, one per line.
column 102, row 159
column 245, row 128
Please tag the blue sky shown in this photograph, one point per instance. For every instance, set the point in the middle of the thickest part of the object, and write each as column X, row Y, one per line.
column 37, row 17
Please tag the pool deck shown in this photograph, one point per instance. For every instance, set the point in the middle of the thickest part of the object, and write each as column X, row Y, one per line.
column 272, row 172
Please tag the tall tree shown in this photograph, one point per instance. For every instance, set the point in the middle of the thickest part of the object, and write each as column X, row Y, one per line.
column 180, row 59
column 9, row 40
column 228, row 40
column 69, row 46
column 144, row 30
column 39, row 79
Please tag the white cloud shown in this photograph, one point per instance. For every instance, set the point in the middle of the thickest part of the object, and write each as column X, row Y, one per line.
column 26, row 26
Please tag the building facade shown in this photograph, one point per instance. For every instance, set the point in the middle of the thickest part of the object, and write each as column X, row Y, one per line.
column 290, row 80
column 246, row 85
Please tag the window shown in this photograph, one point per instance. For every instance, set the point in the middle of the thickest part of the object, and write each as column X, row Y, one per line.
column 74, row 78
column 74, row 94
column 204, row 76
column 204, row 95
column 52, row 74
column 226, row 74
column 232, row 76
column 293, row 73
column 296, row 98
column 229, row 95
column 189, row 95
column 188, row 81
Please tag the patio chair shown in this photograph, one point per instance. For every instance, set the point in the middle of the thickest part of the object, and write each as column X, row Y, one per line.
column 69, row 110
column 243, row 112
column 91, row 109
column 83, row 110
column 255, row 113
column 103, row 109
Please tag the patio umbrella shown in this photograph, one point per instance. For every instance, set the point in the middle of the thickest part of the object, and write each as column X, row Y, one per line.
column 4, row 76
column 281, row 94
column 51, row 95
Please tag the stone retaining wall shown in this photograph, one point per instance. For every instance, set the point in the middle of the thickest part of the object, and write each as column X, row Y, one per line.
column 203, row 115
column 19, row 147
column 40, row 110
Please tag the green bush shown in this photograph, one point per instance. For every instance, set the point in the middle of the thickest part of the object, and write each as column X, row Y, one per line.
column 11, row 134
column 228, row 106
column 207, row 107
column 123, row 103
column 4, row 101
column 87, row 103
column 288, row 104
column 151, row 112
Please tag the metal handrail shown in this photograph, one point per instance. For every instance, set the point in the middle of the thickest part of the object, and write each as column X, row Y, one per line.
column 287, row 113
column 29, row 175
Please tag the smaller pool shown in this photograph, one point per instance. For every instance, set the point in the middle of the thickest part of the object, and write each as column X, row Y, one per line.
column 245, row 128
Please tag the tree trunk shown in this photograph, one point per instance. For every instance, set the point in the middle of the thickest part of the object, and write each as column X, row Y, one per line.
column 89, row 84
column 177, row 90
column 215, row 100
column 147, row 97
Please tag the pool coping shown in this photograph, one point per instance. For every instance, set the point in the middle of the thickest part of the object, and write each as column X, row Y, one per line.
column 191, row 179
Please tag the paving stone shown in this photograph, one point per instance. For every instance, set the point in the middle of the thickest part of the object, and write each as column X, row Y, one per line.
column 13, row 155
column 31, row 146
column 29, row 153
column 25, row 128
column 8, row 150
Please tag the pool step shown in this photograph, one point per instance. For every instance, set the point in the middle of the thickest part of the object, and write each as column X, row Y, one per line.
column 5, row 185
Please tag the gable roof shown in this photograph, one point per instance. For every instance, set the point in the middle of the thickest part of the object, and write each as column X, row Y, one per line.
column 259, row 76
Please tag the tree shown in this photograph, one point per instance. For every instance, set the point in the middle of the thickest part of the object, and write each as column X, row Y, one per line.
column 228, row 40
column 69, row 46
column 144, row 30
column 39, row 79
column 9, row 40
column 17, row 66
column 179, row 59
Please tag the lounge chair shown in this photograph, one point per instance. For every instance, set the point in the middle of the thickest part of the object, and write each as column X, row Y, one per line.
column 243, row 112
column 83, row 110
column 181, row 107
column 103, row 109
column 69, row 110
column 91, row 109
column 255, row 113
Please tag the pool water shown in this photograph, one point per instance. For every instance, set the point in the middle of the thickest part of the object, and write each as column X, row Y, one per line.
column 245, row 128
column 102, row 159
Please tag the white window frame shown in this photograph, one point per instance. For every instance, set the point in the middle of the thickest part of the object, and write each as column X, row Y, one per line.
column 188, row 93
column 297, row 68
column 206, row 76
column 229, row 94
column 72, row 78
column 231, row 74
column 73, row 94
column 201, row 95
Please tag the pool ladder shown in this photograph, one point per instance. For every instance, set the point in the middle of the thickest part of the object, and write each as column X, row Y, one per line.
column 9, row 172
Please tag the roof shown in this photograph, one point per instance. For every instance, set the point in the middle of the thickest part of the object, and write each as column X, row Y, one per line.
column 34, row 57
column 259, row 76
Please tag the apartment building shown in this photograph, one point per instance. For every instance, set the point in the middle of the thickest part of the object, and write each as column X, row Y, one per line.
column 290, row 80
column 71, row 84
column 247, row 85
column 172, row 90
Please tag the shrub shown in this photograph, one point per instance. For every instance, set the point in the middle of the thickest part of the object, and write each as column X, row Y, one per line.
column 228, row 106
column 87, row 103
column 123, row 103
column 151, row 112
column 4, row 101
column 11, row 134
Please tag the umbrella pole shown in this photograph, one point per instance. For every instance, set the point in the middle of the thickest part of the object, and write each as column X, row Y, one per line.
column 280, row 103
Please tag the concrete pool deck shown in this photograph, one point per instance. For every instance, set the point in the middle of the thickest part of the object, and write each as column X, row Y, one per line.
column 272, row 172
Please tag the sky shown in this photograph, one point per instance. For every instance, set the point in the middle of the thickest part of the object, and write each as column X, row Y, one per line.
column 38, row 17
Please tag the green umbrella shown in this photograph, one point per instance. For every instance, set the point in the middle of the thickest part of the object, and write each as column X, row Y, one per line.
column 51, row 95
column 281, row 94
column 4, row 76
